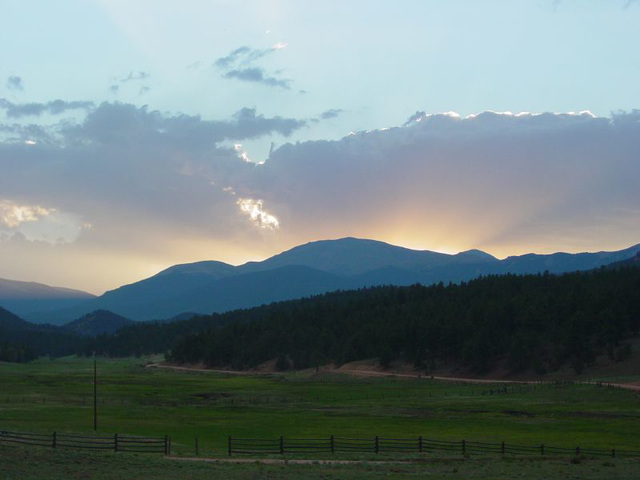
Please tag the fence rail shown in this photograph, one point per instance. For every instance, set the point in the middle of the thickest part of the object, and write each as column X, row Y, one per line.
column 117, row 443
column 333, row 444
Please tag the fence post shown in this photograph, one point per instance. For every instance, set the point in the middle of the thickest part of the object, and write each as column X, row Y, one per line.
column 577, row 451
column 420, row 444
column 54, row 440
column 542, row 449
column 229, row 445
column 166, row 444
column 197, row 454
column 502, row 448
column 115, row 442
column 613, row 453
column 281, row 445
column 333, row 444
column 377, row 445
column 464, row 447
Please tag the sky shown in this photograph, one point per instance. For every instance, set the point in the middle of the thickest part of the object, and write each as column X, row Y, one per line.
column 135, row 135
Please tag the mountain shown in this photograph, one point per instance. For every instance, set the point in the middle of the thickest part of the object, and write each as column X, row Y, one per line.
column 25, row 298
column 97, row 323
column 352, row 256
column 313, row 268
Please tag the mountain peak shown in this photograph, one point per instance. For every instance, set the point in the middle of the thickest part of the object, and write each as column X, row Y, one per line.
column 352, row 256
column 474, row 252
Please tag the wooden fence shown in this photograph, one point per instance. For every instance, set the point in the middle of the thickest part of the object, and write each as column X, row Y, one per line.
column 117, row 443
column 333, row 444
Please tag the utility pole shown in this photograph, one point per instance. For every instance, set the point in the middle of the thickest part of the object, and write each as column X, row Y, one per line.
column 95, row 393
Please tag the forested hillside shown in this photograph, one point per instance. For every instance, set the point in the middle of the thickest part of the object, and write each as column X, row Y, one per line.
column 537, row 322
column 22, row 341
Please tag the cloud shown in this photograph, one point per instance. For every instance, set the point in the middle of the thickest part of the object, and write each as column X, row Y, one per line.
column 419, row 115
column 37, row 223
column 12, row 215
column 136, row 175
column 495, row 180
column 257, row 75
column 55, row 107
column 132, row 77
column 234, row 56
column 15, row 83
column 144, row 90
column 113, row 89
column 257, row 214
column 331, row 113
column 164, row 188
column 239, row 65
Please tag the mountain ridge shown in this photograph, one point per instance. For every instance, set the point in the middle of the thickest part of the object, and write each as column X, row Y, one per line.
column 316, row 267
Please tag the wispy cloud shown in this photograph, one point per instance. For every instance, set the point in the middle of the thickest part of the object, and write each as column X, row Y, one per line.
column 55, row 107
column 135, row 76
column 240, row 65
column 15, row 83
column 258, row 75
column 331, row 113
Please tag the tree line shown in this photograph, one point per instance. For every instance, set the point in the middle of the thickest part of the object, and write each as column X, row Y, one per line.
column 526, row 322
column 537, row 322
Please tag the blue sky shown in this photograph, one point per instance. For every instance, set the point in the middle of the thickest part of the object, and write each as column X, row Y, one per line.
column 103, row 100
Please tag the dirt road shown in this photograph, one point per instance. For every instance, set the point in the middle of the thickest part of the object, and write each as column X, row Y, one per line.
column 635, row 386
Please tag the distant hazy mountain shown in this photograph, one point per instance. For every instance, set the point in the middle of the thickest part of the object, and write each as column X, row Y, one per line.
column 25, row 298
column 97, row 323
column 313, row 268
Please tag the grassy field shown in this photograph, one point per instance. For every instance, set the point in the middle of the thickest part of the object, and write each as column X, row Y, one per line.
column 46, row 396
column 48, row 464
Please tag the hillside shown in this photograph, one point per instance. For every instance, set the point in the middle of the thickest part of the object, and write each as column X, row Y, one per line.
column 97, row 323
column 630, row 262
column 532, row 322
column 21, row 341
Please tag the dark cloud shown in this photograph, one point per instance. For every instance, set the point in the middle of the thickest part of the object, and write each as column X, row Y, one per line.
column 113, row 89
column 148, row 181
column 55, row 107
column 143, row 90
column 138, row 175
column 258, row 75
column 15, row 83
column 125, row 124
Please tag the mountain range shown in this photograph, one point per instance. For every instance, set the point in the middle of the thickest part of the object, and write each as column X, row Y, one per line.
column 310, row 269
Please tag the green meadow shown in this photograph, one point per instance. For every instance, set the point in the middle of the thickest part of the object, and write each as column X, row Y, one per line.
column 56, row 395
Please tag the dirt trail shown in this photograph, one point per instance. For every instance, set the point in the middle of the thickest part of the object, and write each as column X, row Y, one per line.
column 203, row 370
column 296, row 461
column 635, row 387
